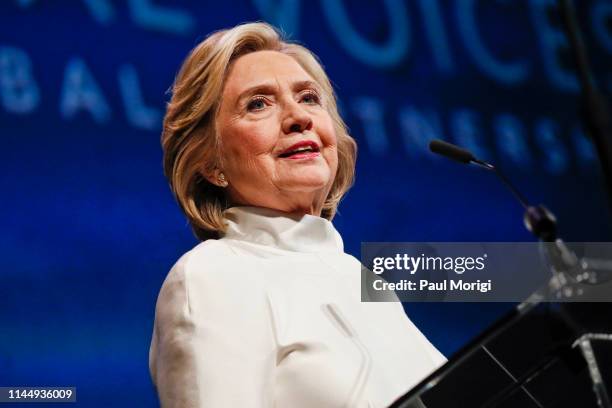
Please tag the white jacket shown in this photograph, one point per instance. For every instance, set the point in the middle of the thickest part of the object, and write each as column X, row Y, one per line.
column 270, row 316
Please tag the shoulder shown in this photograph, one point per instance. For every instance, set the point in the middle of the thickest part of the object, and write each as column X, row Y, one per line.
column 210, row 255
column 209, row 258
column 206, row 257
column 211, row 276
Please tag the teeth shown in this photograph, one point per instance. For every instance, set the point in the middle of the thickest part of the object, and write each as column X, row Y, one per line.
column 299, row 150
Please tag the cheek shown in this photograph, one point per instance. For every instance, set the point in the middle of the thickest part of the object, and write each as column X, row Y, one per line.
column 329, row 138
column 333, row 162
column 327, row 131
column 246, row 149
column 244, row 141
column 330, row 155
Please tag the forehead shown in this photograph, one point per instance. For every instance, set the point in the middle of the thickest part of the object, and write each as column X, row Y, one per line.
column 262, row 66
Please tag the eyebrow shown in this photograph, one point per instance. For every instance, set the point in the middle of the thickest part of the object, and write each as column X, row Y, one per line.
column 270, row 87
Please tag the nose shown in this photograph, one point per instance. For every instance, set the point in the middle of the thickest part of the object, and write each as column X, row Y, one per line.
column 296, row 119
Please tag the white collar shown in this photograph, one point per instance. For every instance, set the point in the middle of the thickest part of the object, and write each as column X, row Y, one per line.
column 291, row 232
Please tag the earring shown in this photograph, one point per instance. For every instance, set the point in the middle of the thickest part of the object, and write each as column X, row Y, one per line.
column 222, row 181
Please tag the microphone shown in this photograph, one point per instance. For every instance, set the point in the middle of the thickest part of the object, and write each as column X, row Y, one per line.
column 451, row 151
column 537, row 219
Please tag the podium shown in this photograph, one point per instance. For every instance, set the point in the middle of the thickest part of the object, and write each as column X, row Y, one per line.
column 539, row 355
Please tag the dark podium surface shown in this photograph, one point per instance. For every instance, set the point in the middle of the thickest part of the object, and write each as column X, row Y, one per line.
column 536, row 356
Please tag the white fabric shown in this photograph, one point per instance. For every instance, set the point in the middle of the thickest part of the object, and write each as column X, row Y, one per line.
column 270, row 316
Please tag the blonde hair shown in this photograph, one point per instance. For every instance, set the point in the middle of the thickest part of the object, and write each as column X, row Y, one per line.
column 189, row 140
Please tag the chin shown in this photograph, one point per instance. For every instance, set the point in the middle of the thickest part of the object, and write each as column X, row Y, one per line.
column 307, row 184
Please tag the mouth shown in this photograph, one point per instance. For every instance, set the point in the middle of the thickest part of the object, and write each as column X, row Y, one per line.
column 301, row 150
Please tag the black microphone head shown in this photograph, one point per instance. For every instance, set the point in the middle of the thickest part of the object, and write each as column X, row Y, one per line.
column 451, row 151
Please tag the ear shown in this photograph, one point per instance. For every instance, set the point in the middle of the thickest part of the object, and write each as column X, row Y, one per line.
column 216, row 177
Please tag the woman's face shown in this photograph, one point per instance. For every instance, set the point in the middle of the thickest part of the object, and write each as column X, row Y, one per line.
column 278, row 142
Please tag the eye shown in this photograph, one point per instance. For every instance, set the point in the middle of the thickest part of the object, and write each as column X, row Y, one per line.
column 256, row 104
column 311, row 98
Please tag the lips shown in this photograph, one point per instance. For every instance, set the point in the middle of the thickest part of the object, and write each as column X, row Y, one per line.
column 303, row 148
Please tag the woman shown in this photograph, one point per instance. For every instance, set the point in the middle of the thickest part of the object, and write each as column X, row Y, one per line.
column 266, row 311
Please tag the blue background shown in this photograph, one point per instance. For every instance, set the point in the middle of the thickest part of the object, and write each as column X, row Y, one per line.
column 89, row 227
